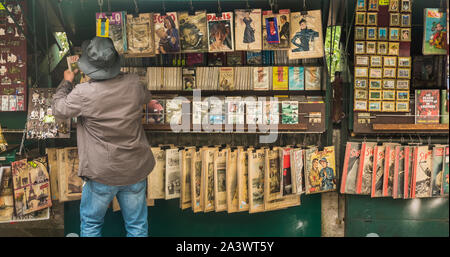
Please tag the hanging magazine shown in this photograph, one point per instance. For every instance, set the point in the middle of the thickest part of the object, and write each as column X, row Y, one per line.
column 297, row 171
column 399, row 173
column 220, row 189
column 70, row 184
column 445, row 184
column 220, row 32
column 389, row 165
column 117, row 29
column 409, row 164
column 350, row 170
column 435, row 32
column 140, row 35
column 272, row 176
column 208, row 179
column 156, row 179
column 306, row 40
column 167, row 35
column 437, row 172
column 256, row 180
column 320, row 174
column 378, row 171
column 6, row 194
column 196, row 178
column 193, row 32
column 186, row 169
column 276, row 30
column 243, row 183
column 231, row 182
column 173, row 173
column 421, row 183
column 248, row 30
column 364, row 178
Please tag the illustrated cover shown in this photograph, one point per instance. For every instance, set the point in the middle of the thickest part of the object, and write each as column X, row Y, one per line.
column 231, row 181
column 437, row 170
column 296, row 78
column 444, row 107
column 272, row 176
column 312, row 78
column 280, row 78
column 140, row 35
column 155, row 111
column 350, row 170
column 186, row 169
column 297, row 161
column 220, row 185
column 289, row 114
column 435, row 32
column 427, row 106
column 421, row 182
column 242, row 174
column 193, row 32
column 167, row 33
column 6, row 195
column 254, row 58
column 378, row 172
column 256, row 168
column 306, row 35
column 189, row 78
column 408, row 167
column 117, row 29
column 226, row 78
column 399, row 173
column 248, row 30
column 271, row 112
column 173, row 111
column 208, row 179
column 173, row 174
column 285, row 168
column 320, row 174
column 445, row 185
column 196, row 181
column 275, row 31
column 220, row 32
column 389, row 165
column 364, row 177
column 254, row 114
column 261, row 78
column 156, row 179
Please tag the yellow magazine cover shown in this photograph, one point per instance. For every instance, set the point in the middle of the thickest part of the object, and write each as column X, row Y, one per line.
column 280, row 78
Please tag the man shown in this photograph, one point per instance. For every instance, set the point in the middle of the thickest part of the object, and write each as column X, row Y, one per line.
column 305, row 35
column 326, row 175
column 115, row 158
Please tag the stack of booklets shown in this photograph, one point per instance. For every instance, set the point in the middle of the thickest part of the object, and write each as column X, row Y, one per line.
column 165, row 78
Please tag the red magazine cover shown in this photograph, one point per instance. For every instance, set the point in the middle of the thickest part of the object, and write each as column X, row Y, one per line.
column 377, row 175
column 388, row 176
column 421, row 173
column 427, row 106
column 351, row 164
column 408, row 162
column 399, row 172
column 365, row 170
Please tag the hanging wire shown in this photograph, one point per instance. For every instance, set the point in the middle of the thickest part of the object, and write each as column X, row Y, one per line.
column 109, row 6
column 219, row 8
column 192, row 7
column 136, row 6
column 100, row 4
column 247, row 4
column 271, row 3
column 164, row 7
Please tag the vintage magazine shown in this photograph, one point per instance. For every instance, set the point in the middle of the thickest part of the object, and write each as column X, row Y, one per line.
column 437, row 172
column 53, row 170
column 378, row 172
column 208, row 179
column 364, row 178
column 226, row 78
column 296, row 78
column 254, row 112
column 232, row 183
column 261, row 78
column 427, row 106
column 312, row 181
column 313, row 78
column 140, row 35
column 189, row 78
column 280, row 78
column 193, row 32
column 173, row 173
column 350, row 170
column 256, row 165
column 306, row 40
column 389, row 165
column 408, row 151
column 399, row 173
column 242, row 178
column 72, row 64
column 220, row 32
column 74, row 184
column 248, row 30
column 297, row 161
column 167, row 35
column 421, row 182
column 285, row 170
column 435, row 32
column 275, row 30
column 6, row 195
column 156, row 179
column 220, row 185
column 272, row 176
column 186, row 169
column 445, row 184
column 174, row 111
column 289, row 114
column 117, row 29
column 196, row 181
column 155, row 111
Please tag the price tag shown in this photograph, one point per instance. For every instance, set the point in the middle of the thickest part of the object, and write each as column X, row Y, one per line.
column 383, row 2
column 2, row 7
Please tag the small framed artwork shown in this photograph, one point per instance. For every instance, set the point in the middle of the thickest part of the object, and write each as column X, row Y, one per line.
column 388, row 83
column 405, row 20
column 403, row 84
column 371, row 33
column 361, row 83
column 394, row 34
column 361, row 5
column 404, row 73
column 388, row 95
column 360, row 18
column 394, row 5
column 402, row 106
column 406, row 6
column 382, row 48
column 372, row 5
column 375, row 84
column 360, row 33
column 404, row 61
column 360, row 94
column 376, row 61
column 394, row 48
column 375, row 95
column 402, row 95
column 388, row 106
column 394, row 19
column 375, row 106
column 371, row 47
column 372, row 19
column 360, row 105
column 390, row 61
column 375, row 73
column 382, row 33
column 389, row 73
column 405, row 35
column 360, row 47
column 361, row 72
column 362, row 60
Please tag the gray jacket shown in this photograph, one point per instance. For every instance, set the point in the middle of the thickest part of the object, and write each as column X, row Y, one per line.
column 112, row 145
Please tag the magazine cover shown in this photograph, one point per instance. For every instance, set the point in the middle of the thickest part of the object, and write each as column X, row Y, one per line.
column 242, row 174
column 320, row 172
column 312, row 78
column 445, row 185
column 73, row 183
column 220, row 185
column 306, row 35
column 186, row 168
column 280, row 78
column 261, row 78
column 378, row 172
column 409, row 164
column 140, row 35
column 254, row 114
column 272, row 177
column 196, row 181
column 173, row 111
column 364, row 178
column 297, row 171
column 226, row 78
column 72, row 64
column 399, row 173
column 208, row 179
column 427, row 106
column 248, row 30
column 216, row 111
column 189, row 78
column 435, row 32
column 275, row 30
column 421, row 183
column 285, row 169
column 389, row 165
column 271, row 113
column 173, row 173
column 155, row 111
column 6, row 195
column 350, row 170
column 235, row 110
column 437, row 172
column 254, row 58
column 289, row 114
column 167, row 35
column 231, row 181
column 117, row 29
column 220, row 32
column 193, row 32
column 444, row 106
column 256, row 159
column 199, row 112
column 296, row 78
column 156, row 179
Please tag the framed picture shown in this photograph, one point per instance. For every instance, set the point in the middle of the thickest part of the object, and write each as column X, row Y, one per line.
column 388, row 83
column 405, row 35
column 389, row 73
column 382, row 48
column 404, row 73
column 362, row 60
column 372, row 5
column 375, row 106
column 360, row 18
column 360, row 94
column 402, row 95
column 394, row 48
column 388, row 95
column 371, row 47
column 372, row 19
column 375, row 95
column 388, row 106
column 361, row 72
column 404, row 61
column 360, row 47
column 361, row 5
column 394, row 19
column 361, row 83
column 390, row 61
column 371, row 33
column 394, row 5
column 375, row 84
column 405, row 20
column 406, row 6
column 394, row 34
column 403, row 84
column 360, row 33
column 382, row 33
column 376, row 61
column 360, row 105
column 375, row 73
column 402, row 106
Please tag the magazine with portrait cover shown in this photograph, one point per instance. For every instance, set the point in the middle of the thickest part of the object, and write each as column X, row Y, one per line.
column 297, row 162
column 261, row 78
column 186, row 169
column 226, row 78
column 313, row 78
column 275, row 30
column 435, row 32
column 437, row 171
column 421, row 182
column 117, row 29
column 189, row 78
column 173, row 174
column 208, row 179
column 399, row 173
column 256, row 160
column 140, row 35
column 445, row 184
column 193, row 32
column 52, row 159
column 364, row 177
column 306, row 39
column 408, row 151
column 167, row 35
column 155, row 111
column 248, row 29
column 280, row 78
column 196, row 181
column 378, row 172
column 220, row 185
column 272, row 176
column 296, row 78
column 427, row 106
column 389, row 165
column 242, row 179
column 156, row 179
column 220, row 32
column 6, row 195
column 231, row 181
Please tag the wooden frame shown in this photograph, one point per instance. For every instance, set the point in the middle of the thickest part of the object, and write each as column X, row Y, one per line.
column 372, row 19
column 374, row 106
column 382, row 48
column 388, row 83
column 402, row 107
column 362, row 60
column 360, row 47
column 388, row 95
column 402, row 95
column 375, row 73
column 361, row 72
column 360, row 18
column 388, row 106
column 360, row 105
column 394, row 34
column 361, row 83
column 405, row 35
column 375, row 84
column 376, row 61
column 402, row 84
column 375, row 95
column 371, row 47
column 401, row 74
column 394, row 19
column 390, row 61
column 360, row 33
column 389, row 73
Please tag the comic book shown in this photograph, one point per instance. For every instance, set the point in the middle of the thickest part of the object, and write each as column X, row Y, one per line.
column 437, row 172
column 256, row 159
column 220, row 32
column 313, row 78
column 320, row 174
column 350, row 170
column 296, row 78
column 275, row 30
column 280, row 78
column 196, row 181
column 226, row 78
column 261, row 78
column 378, row 172
column 172, row 175
column 156, row 179
column 364, row 177
column 220, row 186
column 186, row 169
column 193, row 32
column 231, row 182
column 297, row 162
column 208, row 179
column 167, row 33
column 117, row 29
column 421, row 182
column 6, row 195
column 140, row 35
column 242, row 179
column 435, row 30
column 306, row 35
column 389, row 165
column 399, row 173
column 248, row 30
column 445, row 184
column 427, row 106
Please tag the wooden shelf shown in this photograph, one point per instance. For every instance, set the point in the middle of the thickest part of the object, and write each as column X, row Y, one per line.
column 241, row 92
column 412, row 127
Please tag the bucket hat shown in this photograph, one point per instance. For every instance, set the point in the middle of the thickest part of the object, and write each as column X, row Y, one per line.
column 100, row 59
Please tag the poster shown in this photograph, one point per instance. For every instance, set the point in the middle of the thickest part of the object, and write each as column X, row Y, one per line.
column 435, row 32
column 306, row 35
column 248, row 30
column 167, row 35
column 220, row 32
column 193, row 32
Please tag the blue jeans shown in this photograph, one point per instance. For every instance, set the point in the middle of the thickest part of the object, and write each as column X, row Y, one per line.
column 96, row 198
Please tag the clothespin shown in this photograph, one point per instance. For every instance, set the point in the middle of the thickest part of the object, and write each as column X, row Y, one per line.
column 191, row 10
column 163, row 13
column 304, row 11
column 219, row 9
column 136, row 14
